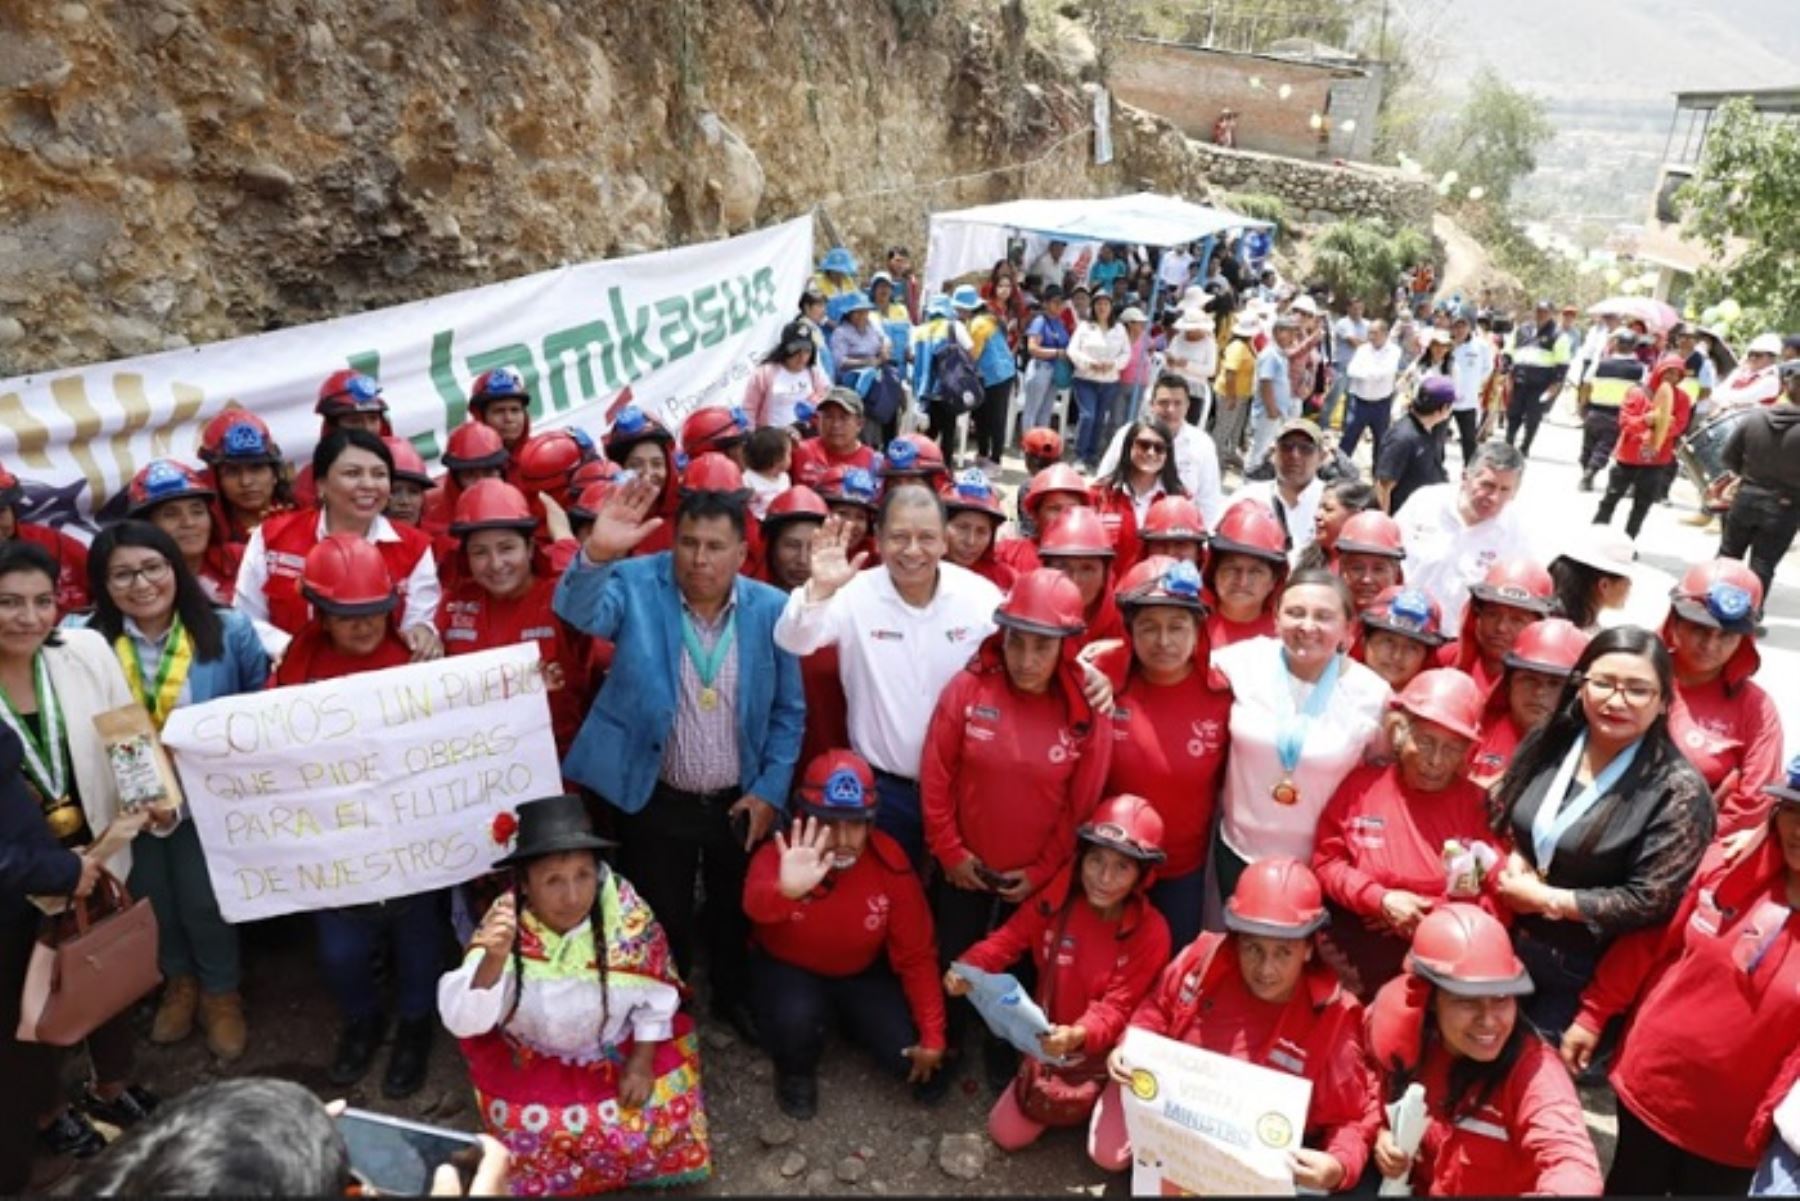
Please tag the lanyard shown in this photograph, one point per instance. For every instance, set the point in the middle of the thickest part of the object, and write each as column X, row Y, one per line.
column 1554, row 817
column 1293, row 726
column 171, row 673
column 46, row 761
column 706, row 663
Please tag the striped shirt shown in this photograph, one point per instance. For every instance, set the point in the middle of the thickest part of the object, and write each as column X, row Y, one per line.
column 702, row 754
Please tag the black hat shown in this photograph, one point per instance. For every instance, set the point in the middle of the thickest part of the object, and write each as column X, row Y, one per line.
column 549, row 826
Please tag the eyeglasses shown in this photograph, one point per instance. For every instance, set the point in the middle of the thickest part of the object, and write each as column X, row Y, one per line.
column 1151, row 446
column 1298, row 447
column 151, row 573
column 1637, row 693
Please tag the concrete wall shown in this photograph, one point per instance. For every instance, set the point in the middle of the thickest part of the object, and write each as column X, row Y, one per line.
column 1190, row 86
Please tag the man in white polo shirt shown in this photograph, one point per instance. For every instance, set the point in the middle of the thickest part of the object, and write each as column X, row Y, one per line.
column 902, row 631
column 1454, row 532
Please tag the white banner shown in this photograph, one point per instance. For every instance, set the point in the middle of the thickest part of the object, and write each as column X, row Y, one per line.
column 670, row 331
column 1207, row 1125
column 366, row 788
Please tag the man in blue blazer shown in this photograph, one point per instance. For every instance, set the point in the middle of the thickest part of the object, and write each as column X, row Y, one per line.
column 695, row 733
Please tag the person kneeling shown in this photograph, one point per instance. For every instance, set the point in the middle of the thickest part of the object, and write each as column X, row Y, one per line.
column 824, row 901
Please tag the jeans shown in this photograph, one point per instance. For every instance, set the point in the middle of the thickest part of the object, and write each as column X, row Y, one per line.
column 413, row 929
column 794, row 1009
column 1093, row 400
column 677, row 840
column 1641, row 482
column 1599, row 434
column 1372, row 415
column 1762, row 522
column 1040, row 394
column 1645, row 1164
column 192, row 938
column 1263, row 429
column 1229, row 420
column 900, row 816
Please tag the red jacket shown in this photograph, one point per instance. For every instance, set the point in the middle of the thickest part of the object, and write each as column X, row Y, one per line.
column 1104, row 621
column 839, row 927
column 1500, row 737
column 1377, row 834
column 1120, row 518
column 1528, row 1137
column 1635, row 446
column 71, row 565
column 1018, row 553
column 1007, row 776
column 1731, row 732
column 811, row 461
column 1201, row 1000
column 1090, row 973
column 471, row 620
column 1464, row 655
column 1169, row 746
column 287, row 538
column 1221, row 631
column 827, row 712
column 990, row 568
column 311, row 657
column 1714, row 998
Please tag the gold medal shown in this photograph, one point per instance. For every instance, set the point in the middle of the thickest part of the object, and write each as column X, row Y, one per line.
column 709, row 699
column 1285, row 793
column 64, row 819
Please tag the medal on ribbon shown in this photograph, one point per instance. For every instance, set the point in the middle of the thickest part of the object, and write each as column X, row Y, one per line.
column 47, row 760
column 707, row 662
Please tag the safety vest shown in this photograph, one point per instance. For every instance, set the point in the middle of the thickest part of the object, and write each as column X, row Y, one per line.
column 1543, row 347
column 287, row 538
column 1612, row 379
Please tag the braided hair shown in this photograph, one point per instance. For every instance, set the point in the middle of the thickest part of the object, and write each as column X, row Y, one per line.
column 596, row 923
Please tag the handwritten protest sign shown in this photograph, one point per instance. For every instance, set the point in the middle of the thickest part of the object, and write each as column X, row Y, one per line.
column 365, row 788
column 1207, row 1125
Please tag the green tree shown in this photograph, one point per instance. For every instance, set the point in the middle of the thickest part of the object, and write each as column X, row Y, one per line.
column 1743, row 205
column 1492, row 142
column 1365, row 257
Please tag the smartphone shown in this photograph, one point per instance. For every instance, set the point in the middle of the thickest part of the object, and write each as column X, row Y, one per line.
column 740, row 826
column 991, row 878
column 396, row 1156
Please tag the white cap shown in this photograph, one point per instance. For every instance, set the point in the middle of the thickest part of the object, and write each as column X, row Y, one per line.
column 1305, row 304
column 1764, row 344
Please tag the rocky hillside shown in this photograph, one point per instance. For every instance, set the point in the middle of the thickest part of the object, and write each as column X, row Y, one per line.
column 177, row 171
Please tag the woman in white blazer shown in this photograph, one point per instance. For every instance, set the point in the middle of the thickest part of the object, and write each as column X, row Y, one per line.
column 52, row 684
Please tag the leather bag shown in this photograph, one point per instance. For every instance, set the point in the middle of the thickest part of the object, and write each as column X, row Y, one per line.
column 92, row 962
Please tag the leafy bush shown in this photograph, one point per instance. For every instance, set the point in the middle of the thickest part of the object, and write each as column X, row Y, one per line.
column 1260, row 205
column 1365, row 257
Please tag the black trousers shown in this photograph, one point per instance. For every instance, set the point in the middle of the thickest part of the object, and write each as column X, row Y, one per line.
column 1762, row 522
column 1641, row 482
column 962, row 918
column 1599, row 434
column 676, row 840
column 1468, row 426
column 1645, row 1164
column 1525, row 411
column 990, row 420
column 795, row 1009
column 941, row 427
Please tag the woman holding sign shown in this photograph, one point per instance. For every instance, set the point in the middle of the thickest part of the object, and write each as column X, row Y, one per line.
column 176, row 649
column 52, row 685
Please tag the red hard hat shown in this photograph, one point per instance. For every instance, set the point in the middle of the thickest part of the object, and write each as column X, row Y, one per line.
column 1276, row 898
column 491, row 505
column 849, row 486
column 1077, row 534
column 1161, row 580
column 1042, row 443
column 1445, row 697
column 912, row 455
column 970, row 492
column 473, row 445
column 1127, row 824
column 798, row 503
column 1371, row 532
column 547, row 460
column 630, row 427
column 1058, row 477
column 1408, row 612
column 1552, row 646
column 349, row 392
column 1723, row 594
column 407, row 463
column 1173, row 519
column 1248, row 528
column 346, row 576
column 712, row 472
column 594, row 471
column 237, row 436
column 1466, row 951
column 839, row 786
column 502, row 383
column 164, row 479
column 587, row 506
column 714, row 427
column 1519, row 583
column 1043, row 601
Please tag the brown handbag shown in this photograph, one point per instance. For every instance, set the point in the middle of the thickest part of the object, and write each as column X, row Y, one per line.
column 1060, row 1096
column 91, row 963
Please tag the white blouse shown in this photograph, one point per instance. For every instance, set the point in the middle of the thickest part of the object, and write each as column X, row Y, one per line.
column 1255, row 825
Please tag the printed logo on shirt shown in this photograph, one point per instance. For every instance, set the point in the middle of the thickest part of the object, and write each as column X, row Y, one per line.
column 888, row 635
column 281, row 563
column 1065, row 748
column 1368, row 832
column 1289, row 1056
column 877, row 916
column 1488, row 761
column 1208, row 737
column 1708, row 917
column 979, row 722
column 458, row 633
column 1190, row 988
column 1121, row 719
column 958, row 634
column 533, row 633
column 1065, row 951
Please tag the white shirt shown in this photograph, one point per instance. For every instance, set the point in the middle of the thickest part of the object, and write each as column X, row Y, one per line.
column 764, row 489
column 1471, row 363
column 1348, row 335
column 787, row 389
column 1175, row 268
column 1196, row 462
column 1373, row 369
column 1049, row 270
column 1099, row 354
column 1195, row 360
column 420, row 592
column 1444, row 556
column 1253, row 823
column 893, row 659
column 1298, row 518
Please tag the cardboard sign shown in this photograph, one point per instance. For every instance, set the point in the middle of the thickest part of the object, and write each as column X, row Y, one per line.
column 1207, row 1125
column 366, row 788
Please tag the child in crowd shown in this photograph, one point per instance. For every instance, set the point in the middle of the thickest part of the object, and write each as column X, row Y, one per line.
column 768, row 454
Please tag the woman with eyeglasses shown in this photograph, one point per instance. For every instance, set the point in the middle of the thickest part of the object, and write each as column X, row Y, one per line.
column 1607, row 817
column 179, row 501
column 1145, row 474
column 175, row 648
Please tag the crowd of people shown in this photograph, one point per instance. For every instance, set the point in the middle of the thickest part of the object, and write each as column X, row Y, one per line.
column 1354, row 779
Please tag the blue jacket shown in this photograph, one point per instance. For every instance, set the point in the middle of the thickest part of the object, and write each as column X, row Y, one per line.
column 243, row 667
column 634, row 603
column 32, row 862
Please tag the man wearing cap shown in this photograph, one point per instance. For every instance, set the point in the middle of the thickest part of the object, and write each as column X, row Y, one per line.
column 1763, row 452
column 838, row 443
column 1412, row 455
column 1454, row 532
column 1274, row 402
column 1293, row 495
column 1196, row 458
column 695, row 732
column 1756, row 380
column 1540, row 357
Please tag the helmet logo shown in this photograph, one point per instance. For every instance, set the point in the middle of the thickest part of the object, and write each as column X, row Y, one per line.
column 1727, row 601
column 805, row 411
column 1183, row 580
column 582, row 439
column 503, row 381
column 361, row 389
column 244, row 439
column 163, row 477
column 843, row 790
column 740, row 418
column 901, row 454
column 631, row 421
column 859, row 485
column 1411, row 610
